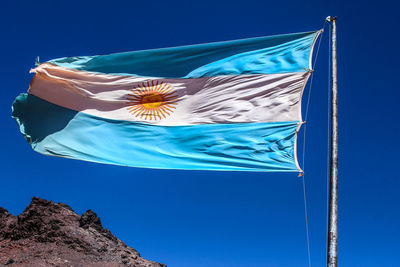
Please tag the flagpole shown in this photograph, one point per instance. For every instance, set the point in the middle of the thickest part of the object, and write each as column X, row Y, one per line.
column 333, row 184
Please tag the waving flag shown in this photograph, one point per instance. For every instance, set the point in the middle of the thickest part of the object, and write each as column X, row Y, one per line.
column 232, row 105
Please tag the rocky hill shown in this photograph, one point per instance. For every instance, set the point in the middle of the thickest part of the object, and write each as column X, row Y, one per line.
column 52, row 234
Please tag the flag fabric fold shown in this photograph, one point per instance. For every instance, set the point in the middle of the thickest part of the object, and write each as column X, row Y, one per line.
column 232, row 105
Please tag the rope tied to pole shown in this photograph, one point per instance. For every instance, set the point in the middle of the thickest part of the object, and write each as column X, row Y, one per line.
column 302, row 174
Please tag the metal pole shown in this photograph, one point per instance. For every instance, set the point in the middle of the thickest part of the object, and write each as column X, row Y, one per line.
column 333, row 185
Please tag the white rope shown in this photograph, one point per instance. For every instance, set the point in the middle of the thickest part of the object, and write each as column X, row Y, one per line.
column 304, row 145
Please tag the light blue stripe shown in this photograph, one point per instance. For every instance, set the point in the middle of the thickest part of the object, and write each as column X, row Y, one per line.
column 57, row 131
column 263, row 55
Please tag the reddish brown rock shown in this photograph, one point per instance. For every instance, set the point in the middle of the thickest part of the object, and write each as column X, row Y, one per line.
column 52, row 234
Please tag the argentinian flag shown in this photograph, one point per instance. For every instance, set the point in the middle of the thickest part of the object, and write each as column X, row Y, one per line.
column 232, row 105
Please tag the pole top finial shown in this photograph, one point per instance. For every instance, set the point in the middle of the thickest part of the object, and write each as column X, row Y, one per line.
column 329, row 18
column 37, row 62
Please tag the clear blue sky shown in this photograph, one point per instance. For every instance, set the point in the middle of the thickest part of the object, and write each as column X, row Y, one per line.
column 188, row 218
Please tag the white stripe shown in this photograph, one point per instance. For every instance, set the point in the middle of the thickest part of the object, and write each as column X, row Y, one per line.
column 220, row 99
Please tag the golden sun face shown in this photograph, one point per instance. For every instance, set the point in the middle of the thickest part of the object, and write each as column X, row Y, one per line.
column 152, row 100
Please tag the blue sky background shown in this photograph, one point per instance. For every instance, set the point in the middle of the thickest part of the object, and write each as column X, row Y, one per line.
column 188, row 218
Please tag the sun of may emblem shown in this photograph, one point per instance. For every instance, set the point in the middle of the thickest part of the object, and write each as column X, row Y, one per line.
column 152, row 100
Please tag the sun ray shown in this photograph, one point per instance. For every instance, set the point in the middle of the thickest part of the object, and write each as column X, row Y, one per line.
column 146, row 114
column 133, row 105
column 139, row 91
column 171, row 101
column 138, row 108
column 166, row 108
column 161, row 90
column 168, row 94
column 133, row 108
column 132, row 99
column 162, row 113
column 168, row 87
column 158, row 113
column 137, row 112
column 165, row 90
column 169, row 106
column 135, row 92
column 159, row 85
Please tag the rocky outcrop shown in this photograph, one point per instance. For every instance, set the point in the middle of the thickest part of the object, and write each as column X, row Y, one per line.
column 52, row 234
